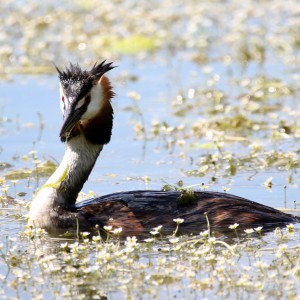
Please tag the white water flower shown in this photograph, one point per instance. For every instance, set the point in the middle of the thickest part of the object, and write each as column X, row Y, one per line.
column 117, row 230
column 64, row 246
column 154, row 232
column 96, row 238
column 178, row 220
column 258, row 229
column 149, row 240
column 174, row 240
column 158, row 228
column 131, row 242
column 107, row 228
column 204, row 233
column 85, row 234
column 211, row 240
column 234, row 226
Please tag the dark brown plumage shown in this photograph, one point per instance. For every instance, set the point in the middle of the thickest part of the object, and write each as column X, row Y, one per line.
column 137, row 212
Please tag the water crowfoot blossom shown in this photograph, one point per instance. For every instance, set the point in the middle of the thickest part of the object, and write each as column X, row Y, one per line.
column 177, row 221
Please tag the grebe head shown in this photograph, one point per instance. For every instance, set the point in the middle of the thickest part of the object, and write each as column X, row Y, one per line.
column 84, row 95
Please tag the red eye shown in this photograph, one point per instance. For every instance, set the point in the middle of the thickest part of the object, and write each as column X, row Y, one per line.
column 63, row 99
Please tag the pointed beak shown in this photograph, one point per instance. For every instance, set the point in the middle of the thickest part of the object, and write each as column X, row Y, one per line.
column 71, row 117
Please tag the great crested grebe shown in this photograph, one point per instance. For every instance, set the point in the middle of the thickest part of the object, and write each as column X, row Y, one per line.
column 85, row 97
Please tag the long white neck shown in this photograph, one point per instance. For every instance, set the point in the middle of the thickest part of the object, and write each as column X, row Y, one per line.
column 55, row 201
column 63, row 186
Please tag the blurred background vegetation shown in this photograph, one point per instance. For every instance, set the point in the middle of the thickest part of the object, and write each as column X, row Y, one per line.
column 35, row 34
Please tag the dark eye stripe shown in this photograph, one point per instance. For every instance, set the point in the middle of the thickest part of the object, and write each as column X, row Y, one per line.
column 87, row 100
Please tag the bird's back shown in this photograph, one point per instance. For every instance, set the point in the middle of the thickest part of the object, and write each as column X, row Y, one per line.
column 140, row 211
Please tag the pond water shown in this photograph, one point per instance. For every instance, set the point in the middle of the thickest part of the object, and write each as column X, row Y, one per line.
column 216, row 108
column 32, row 119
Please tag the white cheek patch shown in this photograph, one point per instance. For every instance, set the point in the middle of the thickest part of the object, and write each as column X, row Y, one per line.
column 96, row 102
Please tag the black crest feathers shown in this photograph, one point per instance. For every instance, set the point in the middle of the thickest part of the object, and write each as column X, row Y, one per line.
column 99, row 69
column 77, row 83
